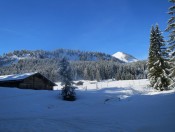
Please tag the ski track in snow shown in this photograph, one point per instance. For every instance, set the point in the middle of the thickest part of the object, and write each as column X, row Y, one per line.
column 108, row 106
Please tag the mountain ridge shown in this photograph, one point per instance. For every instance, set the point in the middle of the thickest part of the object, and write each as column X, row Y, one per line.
column 72, row 55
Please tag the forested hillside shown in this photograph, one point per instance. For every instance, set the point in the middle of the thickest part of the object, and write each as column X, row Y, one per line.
column 73, row 55
column 91, row 70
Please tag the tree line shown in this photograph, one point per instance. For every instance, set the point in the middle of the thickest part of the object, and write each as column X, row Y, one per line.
column 89, row 70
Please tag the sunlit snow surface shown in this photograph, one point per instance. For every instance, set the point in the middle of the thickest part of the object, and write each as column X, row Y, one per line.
column 108, row 106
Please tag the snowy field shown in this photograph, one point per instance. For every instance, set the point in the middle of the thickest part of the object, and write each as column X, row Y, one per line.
column 108, row 106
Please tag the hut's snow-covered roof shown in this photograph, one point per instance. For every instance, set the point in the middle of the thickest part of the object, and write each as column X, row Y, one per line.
column 16, row 76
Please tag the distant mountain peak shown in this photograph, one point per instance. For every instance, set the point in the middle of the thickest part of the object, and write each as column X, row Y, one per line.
column 124, row 57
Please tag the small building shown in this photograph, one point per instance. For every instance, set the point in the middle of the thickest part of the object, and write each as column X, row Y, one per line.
column 79, row 83
column 27, row 81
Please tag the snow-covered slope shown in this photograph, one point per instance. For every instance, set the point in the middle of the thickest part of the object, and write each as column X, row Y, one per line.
column 124, row 57
column 108, row 106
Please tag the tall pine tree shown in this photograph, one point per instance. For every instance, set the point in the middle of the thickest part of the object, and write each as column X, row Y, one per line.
column 157, row 63
column 68, row 92
column 171, row 41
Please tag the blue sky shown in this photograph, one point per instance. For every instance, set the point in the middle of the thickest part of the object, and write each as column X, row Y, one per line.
column 89, row 25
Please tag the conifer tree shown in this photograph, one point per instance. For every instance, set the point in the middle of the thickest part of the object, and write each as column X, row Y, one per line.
column 98, row 78
column 171, row 41
column 157, row 63
column 66, row 80
column 151, row 58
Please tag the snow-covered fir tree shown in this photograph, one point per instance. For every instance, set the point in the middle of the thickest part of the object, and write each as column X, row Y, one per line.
column 157, row 61
column 171, row 41
column 151, row 58
column 68, row 92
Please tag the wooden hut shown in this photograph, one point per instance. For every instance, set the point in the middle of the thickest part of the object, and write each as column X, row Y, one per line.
column 27, row 81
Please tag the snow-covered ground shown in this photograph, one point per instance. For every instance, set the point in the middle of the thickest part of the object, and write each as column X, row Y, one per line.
column 108, row 106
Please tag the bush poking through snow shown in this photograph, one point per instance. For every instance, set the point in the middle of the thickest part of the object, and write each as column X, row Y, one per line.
column 68, row 93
